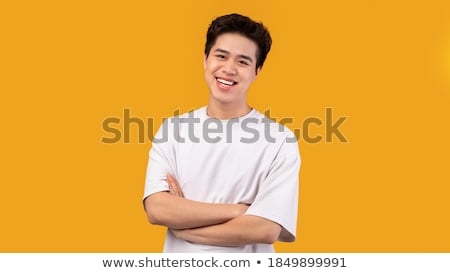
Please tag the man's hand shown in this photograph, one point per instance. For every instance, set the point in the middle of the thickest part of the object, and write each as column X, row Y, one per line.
column 172, row 210
column 176, row 190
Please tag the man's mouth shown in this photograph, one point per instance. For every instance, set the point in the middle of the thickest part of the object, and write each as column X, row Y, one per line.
column 225, row 83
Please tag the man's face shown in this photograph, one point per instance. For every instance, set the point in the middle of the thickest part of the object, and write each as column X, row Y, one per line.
column 230, row 68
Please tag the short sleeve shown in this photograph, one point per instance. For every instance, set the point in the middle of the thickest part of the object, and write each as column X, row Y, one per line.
column 161, row 162
column 277, row 198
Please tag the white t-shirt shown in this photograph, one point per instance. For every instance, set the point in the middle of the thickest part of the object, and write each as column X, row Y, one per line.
column 250, row 160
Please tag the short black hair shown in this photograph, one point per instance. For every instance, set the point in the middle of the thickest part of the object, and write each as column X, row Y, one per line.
column 243, row 25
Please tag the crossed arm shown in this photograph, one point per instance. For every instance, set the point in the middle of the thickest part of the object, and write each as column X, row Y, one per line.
column 208, row 223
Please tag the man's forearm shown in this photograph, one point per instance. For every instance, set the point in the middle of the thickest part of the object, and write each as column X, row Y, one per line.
column 243, row 230
column 179, row 213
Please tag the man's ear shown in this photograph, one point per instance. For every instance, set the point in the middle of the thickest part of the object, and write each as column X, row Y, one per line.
column 258, row 70
column 204, row 61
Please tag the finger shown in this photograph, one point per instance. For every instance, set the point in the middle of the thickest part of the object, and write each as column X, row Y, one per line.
column 168, row 183
column 175, row 186
column 171, row 186
column 174, row 189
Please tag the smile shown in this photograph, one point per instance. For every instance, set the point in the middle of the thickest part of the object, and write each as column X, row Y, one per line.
column 226, row 82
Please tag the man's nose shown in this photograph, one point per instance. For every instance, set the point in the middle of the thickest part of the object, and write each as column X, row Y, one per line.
column 229, row 68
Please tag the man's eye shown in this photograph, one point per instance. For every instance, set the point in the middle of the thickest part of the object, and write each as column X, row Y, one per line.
column 220, row 56
column 243, row 62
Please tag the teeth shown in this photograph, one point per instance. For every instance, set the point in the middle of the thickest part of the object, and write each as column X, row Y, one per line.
column 225, row 81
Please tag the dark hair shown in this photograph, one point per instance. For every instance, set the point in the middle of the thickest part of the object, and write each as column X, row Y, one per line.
column 236, row 23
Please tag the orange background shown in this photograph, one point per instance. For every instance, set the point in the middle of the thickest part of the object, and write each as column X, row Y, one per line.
column 67, row 66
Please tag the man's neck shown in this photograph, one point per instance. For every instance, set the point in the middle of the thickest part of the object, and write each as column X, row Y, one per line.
column 227, row 111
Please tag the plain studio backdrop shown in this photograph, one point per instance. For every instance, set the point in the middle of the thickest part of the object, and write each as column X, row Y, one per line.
column 66, row 67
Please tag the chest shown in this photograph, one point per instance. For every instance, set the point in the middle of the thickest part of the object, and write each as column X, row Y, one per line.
column 223, row 172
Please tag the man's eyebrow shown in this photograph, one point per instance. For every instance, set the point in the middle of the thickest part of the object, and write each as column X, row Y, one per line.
column 222, row 50
column 240, row 56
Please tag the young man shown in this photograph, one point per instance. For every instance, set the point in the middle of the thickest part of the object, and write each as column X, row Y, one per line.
column 224, row 178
